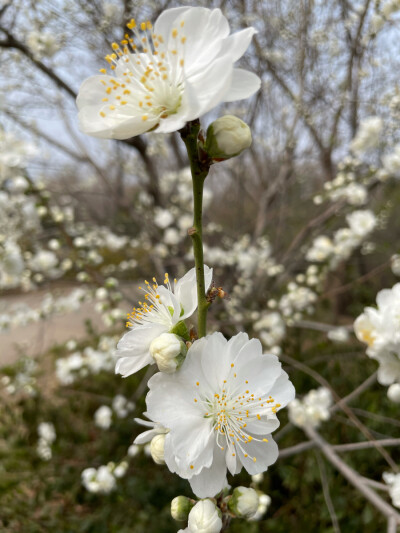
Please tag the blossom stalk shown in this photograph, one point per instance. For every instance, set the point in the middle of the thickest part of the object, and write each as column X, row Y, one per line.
column 199, row 169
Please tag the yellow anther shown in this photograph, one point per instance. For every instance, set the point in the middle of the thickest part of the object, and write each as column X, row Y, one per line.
column 197, row 383
column 104, row 99
column 131, row 24
column 124, row 102
column 183, row 40
column 127, row 91
column 182, row 23
column 232, row 365
column 103, row 71
column 102, row 114
column 182, row 62
column 144, row 117
column 191, row 467
column 164, row 77
column 265, row 440
column 174, row 33
column 115, row 46
column 112, row 107
column 143, row 26
column 254, row 459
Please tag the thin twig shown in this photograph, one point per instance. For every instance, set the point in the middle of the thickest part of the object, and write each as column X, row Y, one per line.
column 353, row 477
column 327, row 494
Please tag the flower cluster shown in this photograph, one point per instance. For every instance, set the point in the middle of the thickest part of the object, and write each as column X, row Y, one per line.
column 47, row 435
column 103, row 480
column 379, row 329
column 313, row 409
column 87, row 362
column 393, row 480
column 361, row 223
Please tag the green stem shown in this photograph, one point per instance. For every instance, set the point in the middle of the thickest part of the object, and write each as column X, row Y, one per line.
column 199, row 170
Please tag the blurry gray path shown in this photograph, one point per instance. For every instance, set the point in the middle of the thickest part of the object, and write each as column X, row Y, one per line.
column 37, row 337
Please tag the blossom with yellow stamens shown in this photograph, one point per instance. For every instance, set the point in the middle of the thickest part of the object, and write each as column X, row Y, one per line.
column 163, row 310
column 220, row 408
column 165, row 76
column 379, row 328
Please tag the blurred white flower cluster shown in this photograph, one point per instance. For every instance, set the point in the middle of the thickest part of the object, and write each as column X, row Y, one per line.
column 24, row 379
column 361, row 223
column 393, row 480
column 379, row 329
column 89, row 361
column 368, row 135
column 47, row 435
column 313, row 409
column 42, row 44
column 121, row 406
column 103, row 480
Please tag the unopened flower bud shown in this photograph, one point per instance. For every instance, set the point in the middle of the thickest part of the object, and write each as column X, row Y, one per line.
column 227, row 137
column 394, row 392
column 244, row 502
column 205, row 518
column 157, row 449
column 168, row 351
column 180, row 508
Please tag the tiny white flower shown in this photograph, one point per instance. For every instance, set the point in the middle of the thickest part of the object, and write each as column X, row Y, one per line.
column 339, row 334
column 47, row 432
column 168, row 75
column 120, row 470
column 393, row 480
column 164, row 307
column 133, row 450
column 103, row 417
column 312, row 410
column 201, row 405
column 362, row 222
column 393, row 392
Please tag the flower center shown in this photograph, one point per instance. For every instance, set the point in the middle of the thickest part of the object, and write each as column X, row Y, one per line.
column 152, row 309
column 232, row 409
column 149, row 75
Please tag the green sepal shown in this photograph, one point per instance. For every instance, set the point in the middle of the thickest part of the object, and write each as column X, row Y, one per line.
column 181, row 330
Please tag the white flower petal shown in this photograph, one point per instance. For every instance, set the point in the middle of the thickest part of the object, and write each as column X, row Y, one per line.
column 236, row 45
column 186, row 290
column 211, row 480
column 133, row 348
column 243, row 85
column 212, row 84
column 265, row 453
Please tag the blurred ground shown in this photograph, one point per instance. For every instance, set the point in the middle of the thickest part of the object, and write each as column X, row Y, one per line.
column 39, row 337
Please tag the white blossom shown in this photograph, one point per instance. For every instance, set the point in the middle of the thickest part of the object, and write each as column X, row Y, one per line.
column 100, row 480
column 368, row 135
column 200, row 404
column 103, row 417
column 379, row 329
column 163, row 308
column 393, row 392
column 312, row 410
column 393, row 480
column 174, row 73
